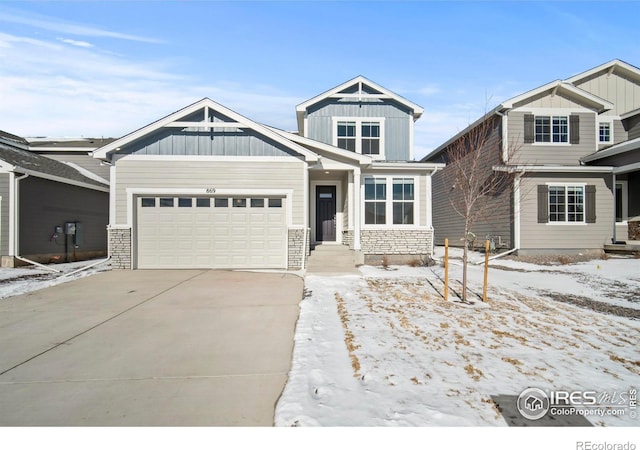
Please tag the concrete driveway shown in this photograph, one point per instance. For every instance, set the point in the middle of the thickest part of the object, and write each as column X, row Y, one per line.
column 147, row 348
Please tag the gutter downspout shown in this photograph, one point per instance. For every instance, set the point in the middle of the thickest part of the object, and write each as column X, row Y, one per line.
column 85, row 267
column 13, row 213
column 430, row 210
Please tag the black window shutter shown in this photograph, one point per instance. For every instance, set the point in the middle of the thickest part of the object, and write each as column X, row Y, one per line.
column 529, row 132
column 590, row 203
column 543, row 203
column 574, row 129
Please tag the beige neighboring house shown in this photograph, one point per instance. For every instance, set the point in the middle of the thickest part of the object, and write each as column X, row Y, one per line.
column 206, row 187
column 575, row 147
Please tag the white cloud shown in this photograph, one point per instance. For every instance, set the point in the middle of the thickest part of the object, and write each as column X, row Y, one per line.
column 59, row 26
column 76, row 43
column 82, row 91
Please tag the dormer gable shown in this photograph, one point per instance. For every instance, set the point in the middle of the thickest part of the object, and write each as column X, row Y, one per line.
column 362, row 117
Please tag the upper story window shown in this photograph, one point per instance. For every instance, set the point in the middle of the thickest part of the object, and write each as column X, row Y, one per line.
column 370, row 138
column 605, row 133
column 360, row 135
column 551, row 129
column 347, row 135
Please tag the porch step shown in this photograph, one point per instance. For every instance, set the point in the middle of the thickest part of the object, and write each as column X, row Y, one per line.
column 628, row 247
column 332, row 259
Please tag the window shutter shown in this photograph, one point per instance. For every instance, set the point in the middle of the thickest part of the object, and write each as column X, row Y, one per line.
column 543, row 203
column 529, row 128
column 574, row 129
column 590, row 203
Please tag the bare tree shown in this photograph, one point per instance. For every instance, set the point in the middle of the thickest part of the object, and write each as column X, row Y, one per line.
column 476, row 188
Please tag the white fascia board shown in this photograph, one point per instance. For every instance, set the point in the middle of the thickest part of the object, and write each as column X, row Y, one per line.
column 417, row 110
column 62, row 149
column 103, row 152
column 407, row 166
column 626, row 169
column 617, row 149
column 559, row 85
column 443, row 146
column 47, row 176
column 87, row 173
column 630, row 114
column 554, row 169
column 321, row 146
column 616, row 63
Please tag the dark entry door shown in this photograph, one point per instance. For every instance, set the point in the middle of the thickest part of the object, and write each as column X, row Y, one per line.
column 325, row 213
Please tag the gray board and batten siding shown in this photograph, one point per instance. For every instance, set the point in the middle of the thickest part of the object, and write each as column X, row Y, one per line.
column 397, row 119
column 213, row 142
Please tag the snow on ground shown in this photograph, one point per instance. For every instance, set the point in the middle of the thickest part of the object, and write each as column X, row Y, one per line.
column 386, row 349
column 21, row 280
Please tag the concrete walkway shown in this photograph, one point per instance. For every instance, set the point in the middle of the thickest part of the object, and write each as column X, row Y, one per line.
column 147, row 348
column 330, row 259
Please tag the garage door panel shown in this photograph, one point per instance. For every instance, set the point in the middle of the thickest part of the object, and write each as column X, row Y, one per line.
column 211, row 237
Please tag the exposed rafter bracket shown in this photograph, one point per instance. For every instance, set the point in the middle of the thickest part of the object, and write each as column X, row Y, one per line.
column 178, row 124
column 610, row 71
column 359, row 96
column 554, row 91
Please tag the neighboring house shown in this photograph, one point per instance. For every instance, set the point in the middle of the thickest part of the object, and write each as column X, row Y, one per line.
column 75, row 152
column 573, row 146
column 42, row 201
column 205, row 187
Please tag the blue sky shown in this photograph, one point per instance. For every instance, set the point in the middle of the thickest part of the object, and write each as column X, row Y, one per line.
column 81, row 68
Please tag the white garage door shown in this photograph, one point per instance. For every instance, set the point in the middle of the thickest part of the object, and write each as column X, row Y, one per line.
column 211, row 232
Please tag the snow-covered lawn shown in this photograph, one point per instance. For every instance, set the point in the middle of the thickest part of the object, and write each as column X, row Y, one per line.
column 386, row 349
column 21, row 280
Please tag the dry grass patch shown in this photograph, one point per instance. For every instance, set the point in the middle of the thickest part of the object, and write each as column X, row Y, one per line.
column 349, row 338
column 515, row 362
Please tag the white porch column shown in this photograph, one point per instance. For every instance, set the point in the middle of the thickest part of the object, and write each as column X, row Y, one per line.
column 356, row 208
column 429, row 202
column 516, row 211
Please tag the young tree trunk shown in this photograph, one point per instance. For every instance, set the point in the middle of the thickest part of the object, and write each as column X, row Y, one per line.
column 465, row 259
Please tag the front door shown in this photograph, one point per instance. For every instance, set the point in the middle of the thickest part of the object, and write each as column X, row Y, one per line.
column 325, row 213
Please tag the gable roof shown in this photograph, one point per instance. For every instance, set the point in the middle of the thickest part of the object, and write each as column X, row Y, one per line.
column 173, row 120
column 321, row 147
column 15, row 159
column 360, row 82
column 612, row 66
column 13, row 140
column 564, row 87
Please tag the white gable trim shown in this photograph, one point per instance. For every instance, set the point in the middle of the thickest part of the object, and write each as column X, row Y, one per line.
column 385, row 94
column 555, row 86
column 322, row 147
column 168, row 121
column 606, row 67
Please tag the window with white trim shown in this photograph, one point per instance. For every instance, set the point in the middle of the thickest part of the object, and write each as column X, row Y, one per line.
column 566, row 204
column 375, row 200
column 396, row 208
column 360, row 135
column 552, row 129
column 370, row 138
column 346, row 133
column 403, row 197
column 605, row 132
